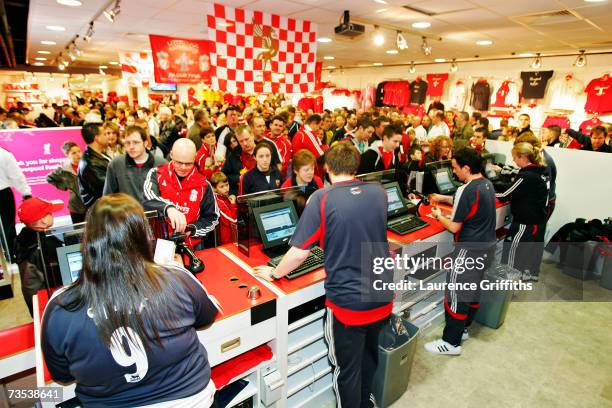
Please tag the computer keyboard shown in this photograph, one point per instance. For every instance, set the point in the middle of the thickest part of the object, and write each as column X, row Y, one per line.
column 313, row 262
column 406, row 225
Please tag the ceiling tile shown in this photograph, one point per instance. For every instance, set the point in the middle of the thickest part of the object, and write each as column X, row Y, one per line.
column 280, row 7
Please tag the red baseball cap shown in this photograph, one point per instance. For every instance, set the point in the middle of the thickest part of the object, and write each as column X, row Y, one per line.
column 35, row 208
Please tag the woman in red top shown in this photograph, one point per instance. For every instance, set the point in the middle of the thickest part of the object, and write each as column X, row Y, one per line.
column 304, row 171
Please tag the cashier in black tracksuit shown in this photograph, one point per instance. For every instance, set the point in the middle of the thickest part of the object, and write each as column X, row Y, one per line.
column 528, row 195
column 356, row 310
column 384, row 155
column 473, row 223
column 263, row 176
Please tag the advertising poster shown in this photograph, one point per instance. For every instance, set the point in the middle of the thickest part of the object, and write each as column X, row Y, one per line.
column 136, row 68
column 181, row 60
column 38, row 153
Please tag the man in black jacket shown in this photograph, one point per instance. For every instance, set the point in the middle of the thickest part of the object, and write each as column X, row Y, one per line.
column 92, row 167
column 595, row 143
column 385, row 156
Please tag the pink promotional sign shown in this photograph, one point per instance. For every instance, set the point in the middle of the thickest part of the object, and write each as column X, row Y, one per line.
column 38, row 153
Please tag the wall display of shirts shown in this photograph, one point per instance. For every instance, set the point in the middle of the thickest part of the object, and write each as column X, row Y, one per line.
column 481, row 94
column 380, row 94
column 457, row 95
column 507, row 94
column 418, row 91
column 534, row 83
column 334, row 99
column 599, row 95
column 435, row 84
column 397, row 93
column 560, row 120
column 564, row 92
column 586, row 126
column 367, row 99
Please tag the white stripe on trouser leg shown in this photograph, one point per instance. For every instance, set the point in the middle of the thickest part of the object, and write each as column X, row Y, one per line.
column 515, row 243
column 331, row 353
column 462, row 253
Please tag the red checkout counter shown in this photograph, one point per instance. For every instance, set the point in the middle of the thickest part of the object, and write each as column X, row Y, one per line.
column 288, row 317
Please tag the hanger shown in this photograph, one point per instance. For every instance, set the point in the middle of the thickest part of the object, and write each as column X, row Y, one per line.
column 569, row 76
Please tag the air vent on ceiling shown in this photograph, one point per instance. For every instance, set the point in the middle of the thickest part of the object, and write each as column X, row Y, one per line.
column 549, row 17
column 434, row 13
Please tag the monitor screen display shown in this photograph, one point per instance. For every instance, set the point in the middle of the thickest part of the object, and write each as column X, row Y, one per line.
column 394, row 199
column 75, row 264
column 443, row 180
column 277, row 223
column 162, row 87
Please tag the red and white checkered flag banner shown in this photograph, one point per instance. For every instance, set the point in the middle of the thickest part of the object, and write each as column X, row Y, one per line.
column 258, row 52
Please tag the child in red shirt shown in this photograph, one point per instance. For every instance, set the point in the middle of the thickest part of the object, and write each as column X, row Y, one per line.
column 227, row 208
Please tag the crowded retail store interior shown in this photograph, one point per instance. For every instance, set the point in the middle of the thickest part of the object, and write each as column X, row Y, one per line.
column 298, row 203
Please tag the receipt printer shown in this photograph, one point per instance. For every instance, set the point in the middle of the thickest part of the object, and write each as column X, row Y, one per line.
column 272, row 385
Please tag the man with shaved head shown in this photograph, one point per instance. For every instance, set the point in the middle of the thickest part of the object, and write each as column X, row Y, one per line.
column 180, row 192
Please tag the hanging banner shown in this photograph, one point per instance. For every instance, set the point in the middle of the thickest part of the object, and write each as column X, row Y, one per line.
column 39, row 152
column 136, row 68
column 258, row 52
column 181, row 60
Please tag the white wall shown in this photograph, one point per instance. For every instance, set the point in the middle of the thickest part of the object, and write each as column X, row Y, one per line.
column 583, row 190
column 597, row 65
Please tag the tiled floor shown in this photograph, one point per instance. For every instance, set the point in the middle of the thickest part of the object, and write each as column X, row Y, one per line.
column 546, row 354
column 555, row 353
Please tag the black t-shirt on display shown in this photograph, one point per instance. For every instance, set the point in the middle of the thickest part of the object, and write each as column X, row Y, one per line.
column 534, row 83
column 418, row 92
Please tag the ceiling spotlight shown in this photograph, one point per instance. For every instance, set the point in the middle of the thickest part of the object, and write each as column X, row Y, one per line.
column 454, row 66
column 484, row 42
column 426, row 47
column 44, row 52
column 378, row 64
column 90, row 32
column 45, row 42
column 331, row 67
column 55, row 28
column 112, row 14
column 71, row 55
column 102, row 72
column 392, row 52
column 400, row 41
column 379, row 38
column 580, row 60
column 114, row 63
column 440, row 60
column 412, row 68
column 328, row 57
column 324, row 40
column 421, row 24
column 70, row 3
column 537, row 62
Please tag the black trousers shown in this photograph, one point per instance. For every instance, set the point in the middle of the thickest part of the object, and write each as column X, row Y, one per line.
column 524, row 247
column 461, row 306
column 353, row 353
column 7, row 214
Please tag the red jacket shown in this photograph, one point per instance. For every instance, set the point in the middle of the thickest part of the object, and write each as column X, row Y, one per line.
column 283, row 145
column 193, row 196
column 229, row 214
column 306, row 139
column 204, row 153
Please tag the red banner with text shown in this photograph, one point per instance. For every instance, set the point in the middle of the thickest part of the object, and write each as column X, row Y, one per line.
column 181, row 60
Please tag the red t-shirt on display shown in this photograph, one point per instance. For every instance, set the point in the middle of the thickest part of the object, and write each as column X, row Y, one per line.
column 599, row 95
column 587, row 125
column 436, row 84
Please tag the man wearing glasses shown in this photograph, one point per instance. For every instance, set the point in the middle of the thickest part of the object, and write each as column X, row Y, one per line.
column 127, row 172
column 182, row 193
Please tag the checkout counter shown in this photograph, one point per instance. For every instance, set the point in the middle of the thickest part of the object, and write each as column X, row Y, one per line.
column 284, row 317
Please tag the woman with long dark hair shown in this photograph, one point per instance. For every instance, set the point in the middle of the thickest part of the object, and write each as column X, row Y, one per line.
column 125, row 330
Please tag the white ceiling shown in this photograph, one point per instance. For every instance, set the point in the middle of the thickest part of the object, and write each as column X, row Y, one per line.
column 460, row 23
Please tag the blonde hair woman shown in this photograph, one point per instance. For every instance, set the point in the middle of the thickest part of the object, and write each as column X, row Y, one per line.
column 528, row 196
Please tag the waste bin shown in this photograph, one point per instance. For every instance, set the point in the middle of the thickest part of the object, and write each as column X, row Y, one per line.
column 396, row 350
column 578, row 261
column 606, row 272
column 494, row 303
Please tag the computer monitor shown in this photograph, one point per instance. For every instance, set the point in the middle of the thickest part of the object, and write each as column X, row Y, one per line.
column 276, row 223
column 444, row 181
column 395, row 201
column 70, row 262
